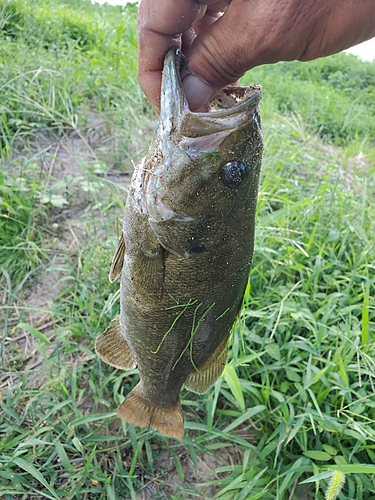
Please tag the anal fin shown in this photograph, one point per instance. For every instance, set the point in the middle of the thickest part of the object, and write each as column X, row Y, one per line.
column 138, row 411
column 112, row 348
column 117, row 261
column 200, row 381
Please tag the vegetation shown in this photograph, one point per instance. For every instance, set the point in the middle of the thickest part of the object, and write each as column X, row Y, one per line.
column 293, row 415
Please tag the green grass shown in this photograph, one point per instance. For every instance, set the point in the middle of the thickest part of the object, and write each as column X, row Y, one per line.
column 59, row 60
column 293, row 415
column 333, row 97
column 20, row 239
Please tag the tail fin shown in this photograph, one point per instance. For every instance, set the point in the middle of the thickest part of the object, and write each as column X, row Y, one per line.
column 139, row 411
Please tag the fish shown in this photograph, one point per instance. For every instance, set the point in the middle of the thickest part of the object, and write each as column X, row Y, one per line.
column 185, row 249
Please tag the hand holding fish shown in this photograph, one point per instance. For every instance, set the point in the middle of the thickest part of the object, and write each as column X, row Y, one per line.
column 225, row 38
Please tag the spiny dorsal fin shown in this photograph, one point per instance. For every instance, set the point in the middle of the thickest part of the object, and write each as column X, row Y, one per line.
column 117, row 261
column 200, row 381
column 112, row 348
column 137, row 410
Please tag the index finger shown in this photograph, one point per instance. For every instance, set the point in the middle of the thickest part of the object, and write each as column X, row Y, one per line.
column 160, row 27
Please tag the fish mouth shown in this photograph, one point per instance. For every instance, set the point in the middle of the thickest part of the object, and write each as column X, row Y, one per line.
column 231, row 108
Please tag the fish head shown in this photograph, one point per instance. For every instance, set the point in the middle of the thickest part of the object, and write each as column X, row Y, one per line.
column 203, row 167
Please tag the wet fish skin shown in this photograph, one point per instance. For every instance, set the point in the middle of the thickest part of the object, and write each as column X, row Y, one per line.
column 185, row 250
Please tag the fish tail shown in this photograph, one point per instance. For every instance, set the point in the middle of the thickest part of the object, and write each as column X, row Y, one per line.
column 137, row 410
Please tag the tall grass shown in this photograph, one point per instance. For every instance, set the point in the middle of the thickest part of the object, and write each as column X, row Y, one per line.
column 334, row 97
column 58, row 60
column 292, row 416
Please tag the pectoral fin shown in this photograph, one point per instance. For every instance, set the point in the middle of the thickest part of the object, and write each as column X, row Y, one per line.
column 148, row 272
column 117, row 261
column 200, row 381
column 112, row 348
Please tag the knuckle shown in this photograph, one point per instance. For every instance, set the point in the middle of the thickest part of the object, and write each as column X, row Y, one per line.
column 218, row 66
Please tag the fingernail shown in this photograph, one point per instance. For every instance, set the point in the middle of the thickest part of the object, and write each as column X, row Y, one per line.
column 197, row 91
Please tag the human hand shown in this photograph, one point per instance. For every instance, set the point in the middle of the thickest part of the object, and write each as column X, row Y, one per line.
column 221, row 47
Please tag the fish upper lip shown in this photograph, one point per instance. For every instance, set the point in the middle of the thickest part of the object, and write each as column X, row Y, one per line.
column 175, row 112
column 250, row 98
column 197, row 124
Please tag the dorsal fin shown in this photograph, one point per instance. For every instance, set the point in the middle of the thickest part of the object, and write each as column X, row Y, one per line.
column 117, row 261
column 111, row 347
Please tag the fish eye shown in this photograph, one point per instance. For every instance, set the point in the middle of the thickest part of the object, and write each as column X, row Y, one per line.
column 232, row 173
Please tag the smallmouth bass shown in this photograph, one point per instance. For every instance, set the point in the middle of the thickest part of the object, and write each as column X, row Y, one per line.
column 185, row 249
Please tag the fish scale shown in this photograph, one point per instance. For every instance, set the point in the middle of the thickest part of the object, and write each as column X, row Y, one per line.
column 185, row 249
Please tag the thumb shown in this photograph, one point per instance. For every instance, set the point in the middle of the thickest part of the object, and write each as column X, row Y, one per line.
column 219, row 56
column 250, row 33
column 254, row 32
